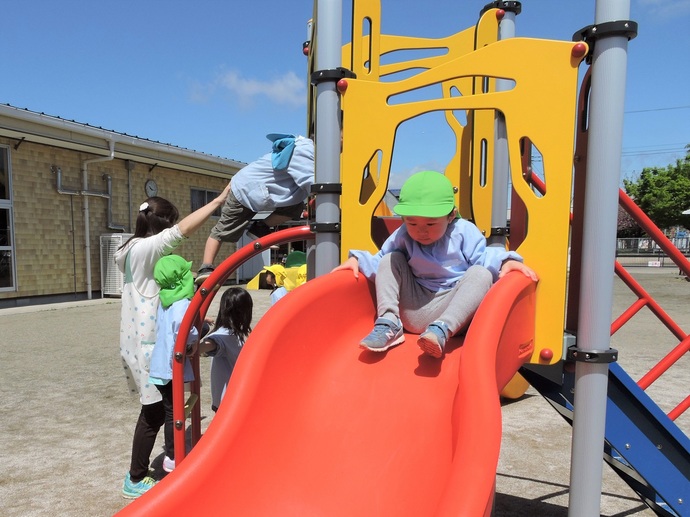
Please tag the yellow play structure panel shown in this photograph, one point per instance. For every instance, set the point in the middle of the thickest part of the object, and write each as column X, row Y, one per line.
column 539, row 105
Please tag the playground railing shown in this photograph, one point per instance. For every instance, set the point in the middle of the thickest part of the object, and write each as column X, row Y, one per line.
column 644, row 246
column 195, row 316
column 644, row 299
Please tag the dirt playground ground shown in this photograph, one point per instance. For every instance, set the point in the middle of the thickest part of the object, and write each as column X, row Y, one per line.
column 67, row 419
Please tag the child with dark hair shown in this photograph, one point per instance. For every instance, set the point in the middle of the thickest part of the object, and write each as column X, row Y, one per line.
column 224, row 344
column 157, row 233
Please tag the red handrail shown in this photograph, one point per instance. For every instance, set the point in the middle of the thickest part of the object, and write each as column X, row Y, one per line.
column 197, row 312
column 653, row 231
column 644, row 299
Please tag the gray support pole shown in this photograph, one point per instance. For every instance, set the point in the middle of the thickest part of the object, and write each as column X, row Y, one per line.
column 327, row 137
column 598, row 256
column 501, row 172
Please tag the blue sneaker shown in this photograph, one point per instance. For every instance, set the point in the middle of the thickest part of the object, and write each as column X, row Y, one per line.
column 386, row 334
column 133, row 490
column 433, row 340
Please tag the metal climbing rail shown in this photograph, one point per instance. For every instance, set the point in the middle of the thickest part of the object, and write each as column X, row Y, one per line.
column 644, row 299
column 642, row 443
column 195, row 315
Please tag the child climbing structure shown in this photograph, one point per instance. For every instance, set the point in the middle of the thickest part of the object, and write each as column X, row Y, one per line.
column 318, row 427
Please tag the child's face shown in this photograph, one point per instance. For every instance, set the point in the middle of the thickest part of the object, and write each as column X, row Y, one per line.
column 427, row 230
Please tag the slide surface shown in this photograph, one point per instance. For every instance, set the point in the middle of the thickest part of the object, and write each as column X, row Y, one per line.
column 313, row 425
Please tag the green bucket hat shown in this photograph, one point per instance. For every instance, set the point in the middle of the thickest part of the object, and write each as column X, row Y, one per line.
column 173, row 274
column 426, row 194
column 296, row 259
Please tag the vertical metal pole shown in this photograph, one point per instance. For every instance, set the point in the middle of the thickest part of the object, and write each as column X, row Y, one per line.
column 598, row 257
column 329, row 18
column 501, row 173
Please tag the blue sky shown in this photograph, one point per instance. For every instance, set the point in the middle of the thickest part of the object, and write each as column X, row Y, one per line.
column 215, row 76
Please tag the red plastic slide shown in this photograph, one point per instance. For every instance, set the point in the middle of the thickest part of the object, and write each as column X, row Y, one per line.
column 312, row 425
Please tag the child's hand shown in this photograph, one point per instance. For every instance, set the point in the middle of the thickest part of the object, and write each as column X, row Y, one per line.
column 206, row 347
column 514, row 265
column 192, row 348
column 352, row 264
column 223, row 195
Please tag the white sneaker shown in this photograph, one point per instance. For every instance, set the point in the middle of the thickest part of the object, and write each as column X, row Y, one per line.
column 168, row 464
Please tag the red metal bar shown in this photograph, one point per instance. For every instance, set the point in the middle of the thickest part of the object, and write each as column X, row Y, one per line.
column 627, row 315
column 679, row 409
column 198, row 308
column 580, row 179
column 651, row 229
column 662, row 366
column 644, row 298
column 535, row 181
column 518, row 210
column 636, row 288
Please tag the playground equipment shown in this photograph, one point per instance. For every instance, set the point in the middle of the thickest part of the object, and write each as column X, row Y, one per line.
column 317, row 427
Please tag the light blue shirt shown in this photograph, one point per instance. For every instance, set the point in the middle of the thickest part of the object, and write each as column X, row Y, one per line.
column 168, row 323
column 440, row 265
column 228, row 348
column 260, row 187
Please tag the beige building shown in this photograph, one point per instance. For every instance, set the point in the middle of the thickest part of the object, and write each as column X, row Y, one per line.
column 69, row 195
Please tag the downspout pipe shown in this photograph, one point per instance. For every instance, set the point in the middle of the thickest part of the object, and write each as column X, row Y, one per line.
column 87, row 231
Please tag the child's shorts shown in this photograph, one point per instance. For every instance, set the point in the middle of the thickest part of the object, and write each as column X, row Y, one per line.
column 235, row 217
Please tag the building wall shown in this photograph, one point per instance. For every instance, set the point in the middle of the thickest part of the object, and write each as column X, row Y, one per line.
column 49, row 226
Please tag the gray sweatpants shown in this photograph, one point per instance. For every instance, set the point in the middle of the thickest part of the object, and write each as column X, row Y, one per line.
column 399, row 295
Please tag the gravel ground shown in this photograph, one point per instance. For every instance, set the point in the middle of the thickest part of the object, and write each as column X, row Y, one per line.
column 68, row 420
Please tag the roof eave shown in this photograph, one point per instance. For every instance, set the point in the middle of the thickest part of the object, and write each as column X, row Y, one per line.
column 44, row 129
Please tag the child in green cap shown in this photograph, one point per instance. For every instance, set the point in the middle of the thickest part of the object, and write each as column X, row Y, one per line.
column 173, row 275
column 432, row 273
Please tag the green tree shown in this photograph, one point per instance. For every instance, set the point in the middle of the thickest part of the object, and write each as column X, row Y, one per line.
column 627, row 226
column 664, row 193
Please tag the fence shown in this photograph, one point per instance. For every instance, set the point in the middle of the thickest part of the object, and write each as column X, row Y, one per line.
column 643, row 251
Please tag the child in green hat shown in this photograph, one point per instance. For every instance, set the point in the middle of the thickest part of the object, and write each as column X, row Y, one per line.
column 432, row 273
column 173, row 275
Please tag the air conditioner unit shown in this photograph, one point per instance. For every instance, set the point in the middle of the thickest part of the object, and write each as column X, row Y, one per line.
column 112, row 279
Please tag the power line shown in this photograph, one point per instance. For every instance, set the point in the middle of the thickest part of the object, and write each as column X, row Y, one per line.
column 658, row 109
column 662, row 149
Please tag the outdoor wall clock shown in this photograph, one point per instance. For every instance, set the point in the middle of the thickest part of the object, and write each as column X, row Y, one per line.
column 151, row 188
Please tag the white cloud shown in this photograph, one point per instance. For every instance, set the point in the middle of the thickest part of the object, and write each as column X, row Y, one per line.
column 398, row 177
column 287, row 90
column 201, row 93
column 665, row 8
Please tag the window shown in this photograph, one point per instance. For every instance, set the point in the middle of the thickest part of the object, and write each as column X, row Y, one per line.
column 202, row 197
column 7, row 262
